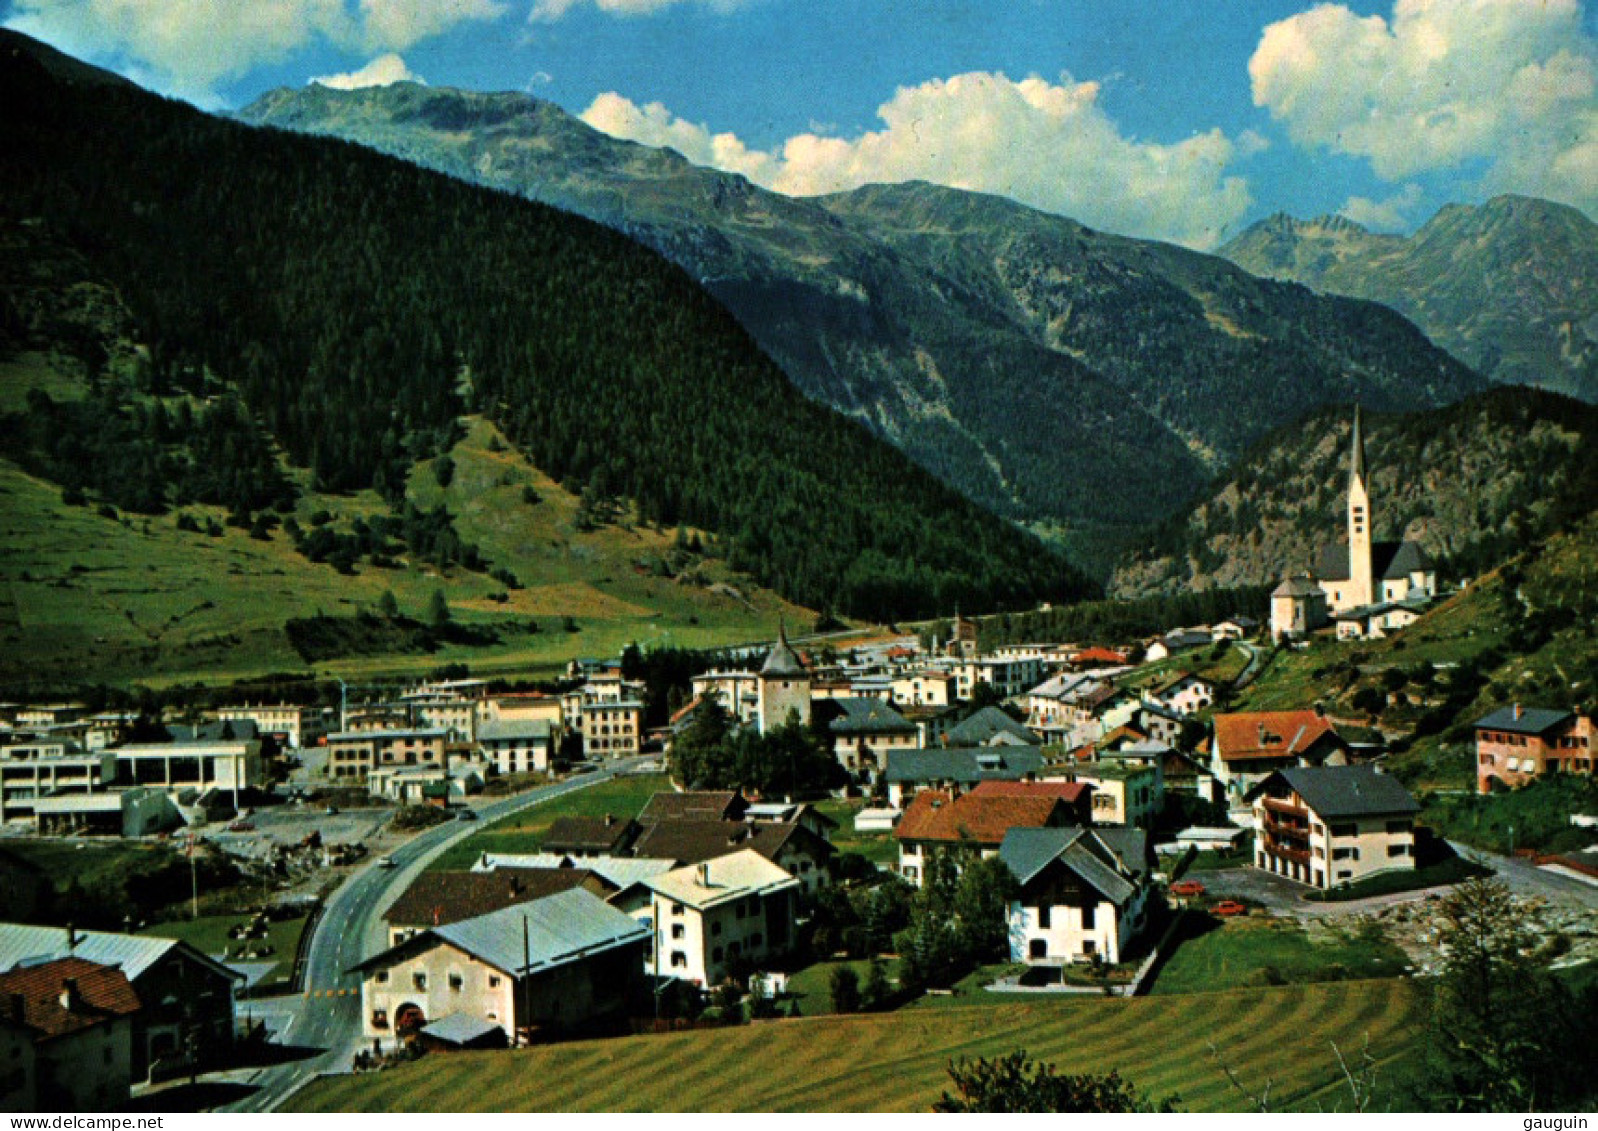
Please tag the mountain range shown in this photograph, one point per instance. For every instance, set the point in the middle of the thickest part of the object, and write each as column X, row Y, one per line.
column 1059, row 376
column 294, row 323
column 1510, row 286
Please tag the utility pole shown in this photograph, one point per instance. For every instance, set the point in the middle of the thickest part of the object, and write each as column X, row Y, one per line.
column 527, row 984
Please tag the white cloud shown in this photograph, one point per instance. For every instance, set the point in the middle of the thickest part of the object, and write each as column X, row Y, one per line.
column 385, row 70
column 546, row 10
column 1508, row 83
column 1395, row 214
column 187, row 47
column 1049, row 145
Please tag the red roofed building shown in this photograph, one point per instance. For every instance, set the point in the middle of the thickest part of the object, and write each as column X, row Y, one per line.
column 973, row 823
column 76, row 1019
column 1097, row 658
column 1076, row 794
column 1249, row 746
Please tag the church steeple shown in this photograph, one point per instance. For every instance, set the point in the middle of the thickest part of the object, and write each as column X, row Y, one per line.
column 1362, row 589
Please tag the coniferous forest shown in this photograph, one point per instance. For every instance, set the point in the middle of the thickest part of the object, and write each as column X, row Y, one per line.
column 357, row 306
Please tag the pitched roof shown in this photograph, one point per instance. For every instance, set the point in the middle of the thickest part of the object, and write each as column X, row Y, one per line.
column 559, row 928
column 690, row 842
column 1098, row 861
column 1098, row 656
column 1345, row 791
column 782, row 661
column 1068, row 791
column 1270, row 734
column 721, row 879
column 977, row 819
column 964, row 765
column 513, row 730
column 587, row 834
column 132, row 954
column 1390, row 561
column 102, row 993
column 869, row 716
column 1176, row 679
column 1299, row 586
column 619, row 871
column 986, row 727
column 461, row 1029
column 1524, row 720
column 437, row 898
column 713, row 805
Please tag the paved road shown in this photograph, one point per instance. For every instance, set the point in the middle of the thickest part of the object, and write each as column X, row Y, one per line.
column 327, row 1022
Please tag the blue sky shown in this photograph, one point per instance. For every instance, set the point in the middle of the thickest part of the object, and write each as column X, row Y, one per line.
column 1181, row 121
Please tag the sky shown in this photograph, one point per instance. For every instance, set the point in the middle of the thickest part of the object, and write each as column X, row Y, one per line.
column 1183, row 120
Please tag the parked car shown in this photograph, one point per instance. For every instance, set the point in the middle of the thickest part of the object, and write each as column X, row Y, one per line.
column 385, row 861
column 1228, row 908
column 466, row 815
column 1187, row 887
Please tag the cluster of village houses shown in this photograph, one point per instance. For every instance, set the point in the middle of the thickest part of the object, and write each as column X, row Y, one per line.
column 1064, row 788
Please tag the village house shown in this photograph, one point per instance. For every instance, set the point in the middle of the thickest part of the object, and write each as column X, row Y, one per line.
column 1125, row 792
column 289, row 724
column 925, row 688
column 1007, row 677
column 864, row 731
column 555, row 964
column 699, row 805
column 578, row 836
column 973, row 824
column 517, row 745
column 1327, row 825
column 71, row 1029
column 910, row 771
column 990, row 727
column 1298, row 608
column 734, row 910
column 612, row 729
column 1084, row 893
column 187, row 1012
column 1516, row 745
column 355, row 754
column 1182, row 692
column 737, row 691
column 796, row 849
column 1248, row 746
column 1235, row 628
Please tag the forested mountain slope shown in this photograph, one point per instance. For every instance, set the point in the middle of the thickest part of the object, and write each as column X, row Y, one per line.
column 1052, row 373
column 1474, row 483
column 359, row 306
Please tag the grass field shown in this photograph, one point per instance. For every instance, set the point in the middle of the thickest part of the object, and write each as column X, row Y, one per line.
column 521, row 832
column 209, row 935
column 84, row 597
column 899, row 1061
column 1224, row 954
column 879, row 848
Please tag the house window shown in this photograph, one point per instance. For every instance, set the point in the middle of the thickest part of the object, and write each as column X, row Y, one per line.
column 715, row 928
column 1038, row 948
column 715, row 955
column 1398, row 850
column 380, row 1019
column 1345, row 829
column 456, row 982
column 1089, row 918
column 679, row 931
column 419, row 980
column 382, row 977
column 1089, row 947
column 1345, row 854
column 1043, row 920
column 679, row 960
column 676, row 909
column 493, row 981
column 1398, row 826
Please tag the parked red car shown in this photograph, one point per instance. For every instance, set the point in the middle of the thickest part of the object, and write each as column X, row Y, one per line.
column 241, row 827
column 1228, row 908
column 1187, row 887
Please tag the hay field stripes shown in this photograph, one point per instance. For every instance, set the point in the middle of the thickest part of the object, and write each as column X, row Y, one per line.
column 897, row 1062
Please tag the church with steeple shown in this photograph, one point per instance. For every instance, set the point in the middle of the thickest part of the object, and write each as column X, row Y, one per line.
column 1366, row 586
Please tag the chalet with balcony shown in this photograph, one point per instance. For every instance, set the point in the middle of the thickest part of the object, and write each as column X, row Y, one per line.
column 1329, row 825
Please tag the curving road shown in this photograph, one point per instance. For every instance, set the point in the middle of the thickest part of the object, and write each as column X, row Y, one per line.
column 327, row 1017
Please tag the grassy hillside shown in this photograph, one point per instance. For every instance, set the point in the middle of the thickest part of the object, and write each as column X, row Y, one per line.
column 898, row 1062
column 125, row 597
column 1523, row 633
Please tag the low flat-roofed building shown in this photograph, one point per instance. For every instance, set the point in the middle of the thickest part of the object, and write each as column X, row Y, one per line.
column 223, row 765
column 31, row 770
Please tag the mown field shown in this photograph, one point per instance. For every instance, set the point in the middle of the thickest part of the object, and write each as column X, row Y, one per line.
column 899, row 1061
column 209, row 935
column 1258, row 950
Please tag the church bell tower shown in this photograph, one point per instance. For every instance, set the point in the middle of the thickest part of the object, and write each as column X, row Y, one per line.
column 1361, row 586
